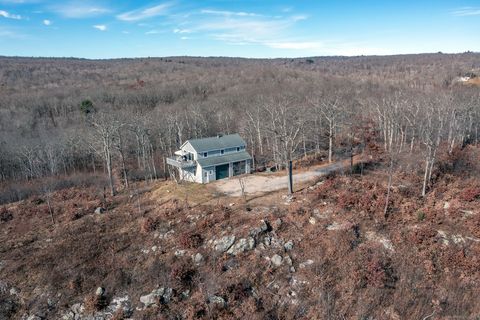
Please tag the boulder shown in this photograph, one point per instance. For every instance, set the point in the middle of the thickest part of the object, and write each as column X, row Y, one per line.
column 218, row 301
column 99, row 210
column 288, row 245
column 278, row 223
column 263, row 227
column 198, row 258
column 154, row 297
column 305, row 263
column 224, row 243
column 241, row 246
column 277, row 260
column 180, row 253
column 100, row 291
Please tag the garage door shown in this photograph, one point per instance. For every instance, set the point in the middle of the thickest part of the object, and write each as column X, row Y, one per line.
column 222, row 171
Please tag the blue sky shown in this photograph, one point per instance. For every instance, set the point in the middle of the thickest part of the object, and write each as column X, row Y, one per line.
column 261, row 28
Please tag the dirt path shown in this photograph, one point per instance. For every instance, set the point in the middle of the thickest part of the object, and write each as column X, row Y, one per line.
column 256, row 183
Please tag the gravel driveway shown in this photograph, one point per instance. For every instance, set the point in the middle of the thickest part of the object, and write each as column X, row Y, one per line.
column 260, row 183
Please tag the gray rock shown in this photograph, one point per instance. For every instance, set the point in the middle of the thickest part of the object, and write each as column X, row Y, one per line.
column 100, row 291
column 180, row 253
column 198, row 258
column 218, row 301
column 121, row 303
column 75, row 312
column 167, row 295
column 288, row 245
column 278, row 223
column 160, row 295
column 446, row 205
column 305, row 263
column 276, row 260
column 263, row 227
column 267, row 240
column 153, row 297
column 241, row 246
column 185, row 294
column 99, row 210
column 288, row 260
column 224, row 243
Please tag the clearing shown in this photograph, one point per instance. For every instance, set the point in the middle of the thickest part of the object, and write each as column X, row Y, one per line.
column 264, row 182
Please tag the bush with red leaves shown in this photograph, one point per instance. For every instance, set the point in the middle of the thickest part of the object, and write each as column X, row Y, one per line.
column 183, row 274
column 379, row 273
column 148, row 225
column 347, row 199
column 470, row 194
column 94, row 303
column 191, row 241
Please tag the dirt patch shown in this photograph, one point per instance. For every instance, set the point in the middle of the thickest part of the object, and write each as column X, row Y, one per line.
column 258, row 184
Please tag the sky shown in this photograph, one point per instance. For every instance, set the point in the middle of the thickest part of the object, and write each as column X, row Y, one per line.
column 104, row 29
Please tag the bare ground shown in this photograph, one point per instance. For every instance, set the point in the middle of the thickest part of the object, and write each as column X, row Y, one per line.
column 264, row 183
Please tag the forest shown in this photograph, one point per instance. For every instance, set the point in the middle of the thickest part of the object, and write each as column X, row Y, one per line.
column 92, row 225
column 73, row 121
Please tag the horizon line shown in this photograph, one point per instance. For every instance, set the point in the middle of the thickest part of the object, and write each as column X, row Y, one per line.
column 239, row 57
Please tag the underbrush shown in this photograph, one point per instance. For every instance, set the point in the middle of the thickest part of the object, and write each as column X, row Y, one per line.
column 19, row 190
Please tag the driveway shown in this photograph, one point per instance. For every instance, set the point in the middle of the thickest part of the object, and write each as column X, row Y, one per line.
column 261, row 183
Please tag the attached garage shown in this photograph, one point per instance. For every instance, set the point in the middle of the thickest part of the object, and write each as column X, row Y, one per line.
column 222, row 171
column 239, row 168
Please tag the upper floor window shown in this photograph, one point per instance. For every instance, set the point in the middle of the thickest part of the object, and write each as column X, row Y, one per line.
column 205, row 154
column 238, row 149
column 222, row 151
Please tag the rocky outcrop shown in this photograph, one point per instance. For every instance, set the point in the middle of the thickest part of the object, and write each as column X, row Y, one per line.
column 241, row 246
column 224, row 243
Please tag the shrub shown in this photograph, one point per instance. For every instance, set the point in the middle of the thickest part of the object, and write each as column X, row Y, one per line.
column 183, row 274
column 470, row 194
column 5, row 215
column 347, row 199
column 420, row 216
column 191, row 241
column 148, row 225
column 94, row 303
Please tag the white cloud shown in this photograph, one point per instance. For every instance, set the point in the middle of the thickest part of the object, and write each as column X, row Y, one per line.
column 182, row 31
column 153, row 32
column 8, row 15
column 184, row 38
column 80, row 9
column 466, row 11
column 100, row 27
column 145, row 13
column 230, row 13
column 47, row 22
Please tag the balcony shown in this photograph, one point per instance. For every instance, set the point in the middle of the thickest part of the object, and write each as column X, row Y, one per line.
column 180, row 162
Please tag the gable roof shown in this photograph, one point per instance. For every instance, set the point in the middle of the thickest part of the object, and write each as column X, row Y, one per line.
column 216, row 143
column 231, row 157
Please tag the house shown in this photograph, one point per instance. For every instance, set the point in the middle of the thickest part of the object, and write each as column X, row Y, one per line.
column 209, row 159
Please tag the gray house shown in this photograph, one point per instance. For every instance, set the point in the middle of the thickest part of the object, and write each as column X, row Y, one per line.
column 209, row 159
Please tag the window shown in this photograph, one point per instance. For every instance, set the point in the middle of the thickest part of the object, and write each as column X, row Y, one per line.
column 205, row 154
column 238, row 149
column 222, row 151
column 206, row 174
column 211, row 172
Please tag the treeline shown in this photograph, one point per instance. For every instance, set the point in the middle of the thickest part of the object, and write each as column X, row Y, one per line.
column 60, row 117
